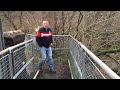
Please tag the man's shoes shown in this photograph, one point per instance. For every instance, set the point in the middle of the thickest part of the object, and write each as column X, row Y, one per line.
column 52, row 70
column 40, row 70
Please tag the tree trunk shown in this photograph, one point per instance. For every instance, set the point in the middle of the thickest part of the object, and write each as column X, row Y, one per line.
column 99, row 53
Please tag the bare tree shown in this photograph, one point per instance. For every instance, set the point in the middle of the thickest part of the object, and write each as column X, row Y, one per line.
column 7, row 15
column 80, row 17
column 11, row 17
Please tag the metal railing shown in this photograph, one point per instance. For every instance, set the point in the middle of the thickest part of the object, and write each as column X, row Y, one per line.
column 83, row 63
column 17, row 62
column 87, row 64
column 60, row 54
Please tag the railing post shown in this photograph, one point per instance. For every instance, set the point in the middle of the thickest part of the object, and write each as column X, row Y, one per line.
column 11, row 63
column 84, row 61
column 33, row 57
column 82, row 58
column 2, row 45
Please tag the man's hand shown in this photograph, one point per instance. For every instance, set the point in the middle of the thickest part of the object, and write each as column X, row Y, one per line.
column 51, row 44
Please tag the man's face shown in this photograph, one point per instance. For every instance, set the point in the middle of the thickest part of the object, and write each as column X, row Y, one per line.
column 45, row 23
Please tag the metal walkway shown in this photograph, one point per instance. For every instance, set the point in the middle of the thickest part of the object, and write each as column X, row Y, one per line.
column 45, row 74
column 20, row 61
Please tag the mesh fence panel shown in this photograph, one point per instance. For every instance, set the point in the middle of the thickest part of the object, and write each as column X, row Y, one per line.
column 27, row 71
column 87, row 68
column 17, row 62
column 5, row 67
column 22, row 56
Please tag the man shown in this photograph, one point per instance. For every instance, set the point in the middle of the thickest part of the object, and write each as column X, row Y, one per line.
column 44, row 40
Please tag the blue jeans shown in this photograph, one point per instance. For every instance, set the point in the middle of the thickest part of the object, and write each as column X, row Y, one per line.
column 46, row 52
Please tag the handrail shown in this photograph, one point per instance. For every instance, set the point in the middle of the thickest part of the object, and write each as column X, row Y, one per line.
column 15, row 46
column 110, row 72
column 52, row 35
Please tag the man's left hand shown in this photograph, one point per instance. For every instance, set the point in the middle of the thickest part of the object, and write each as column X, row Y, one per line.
column 51, row 44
